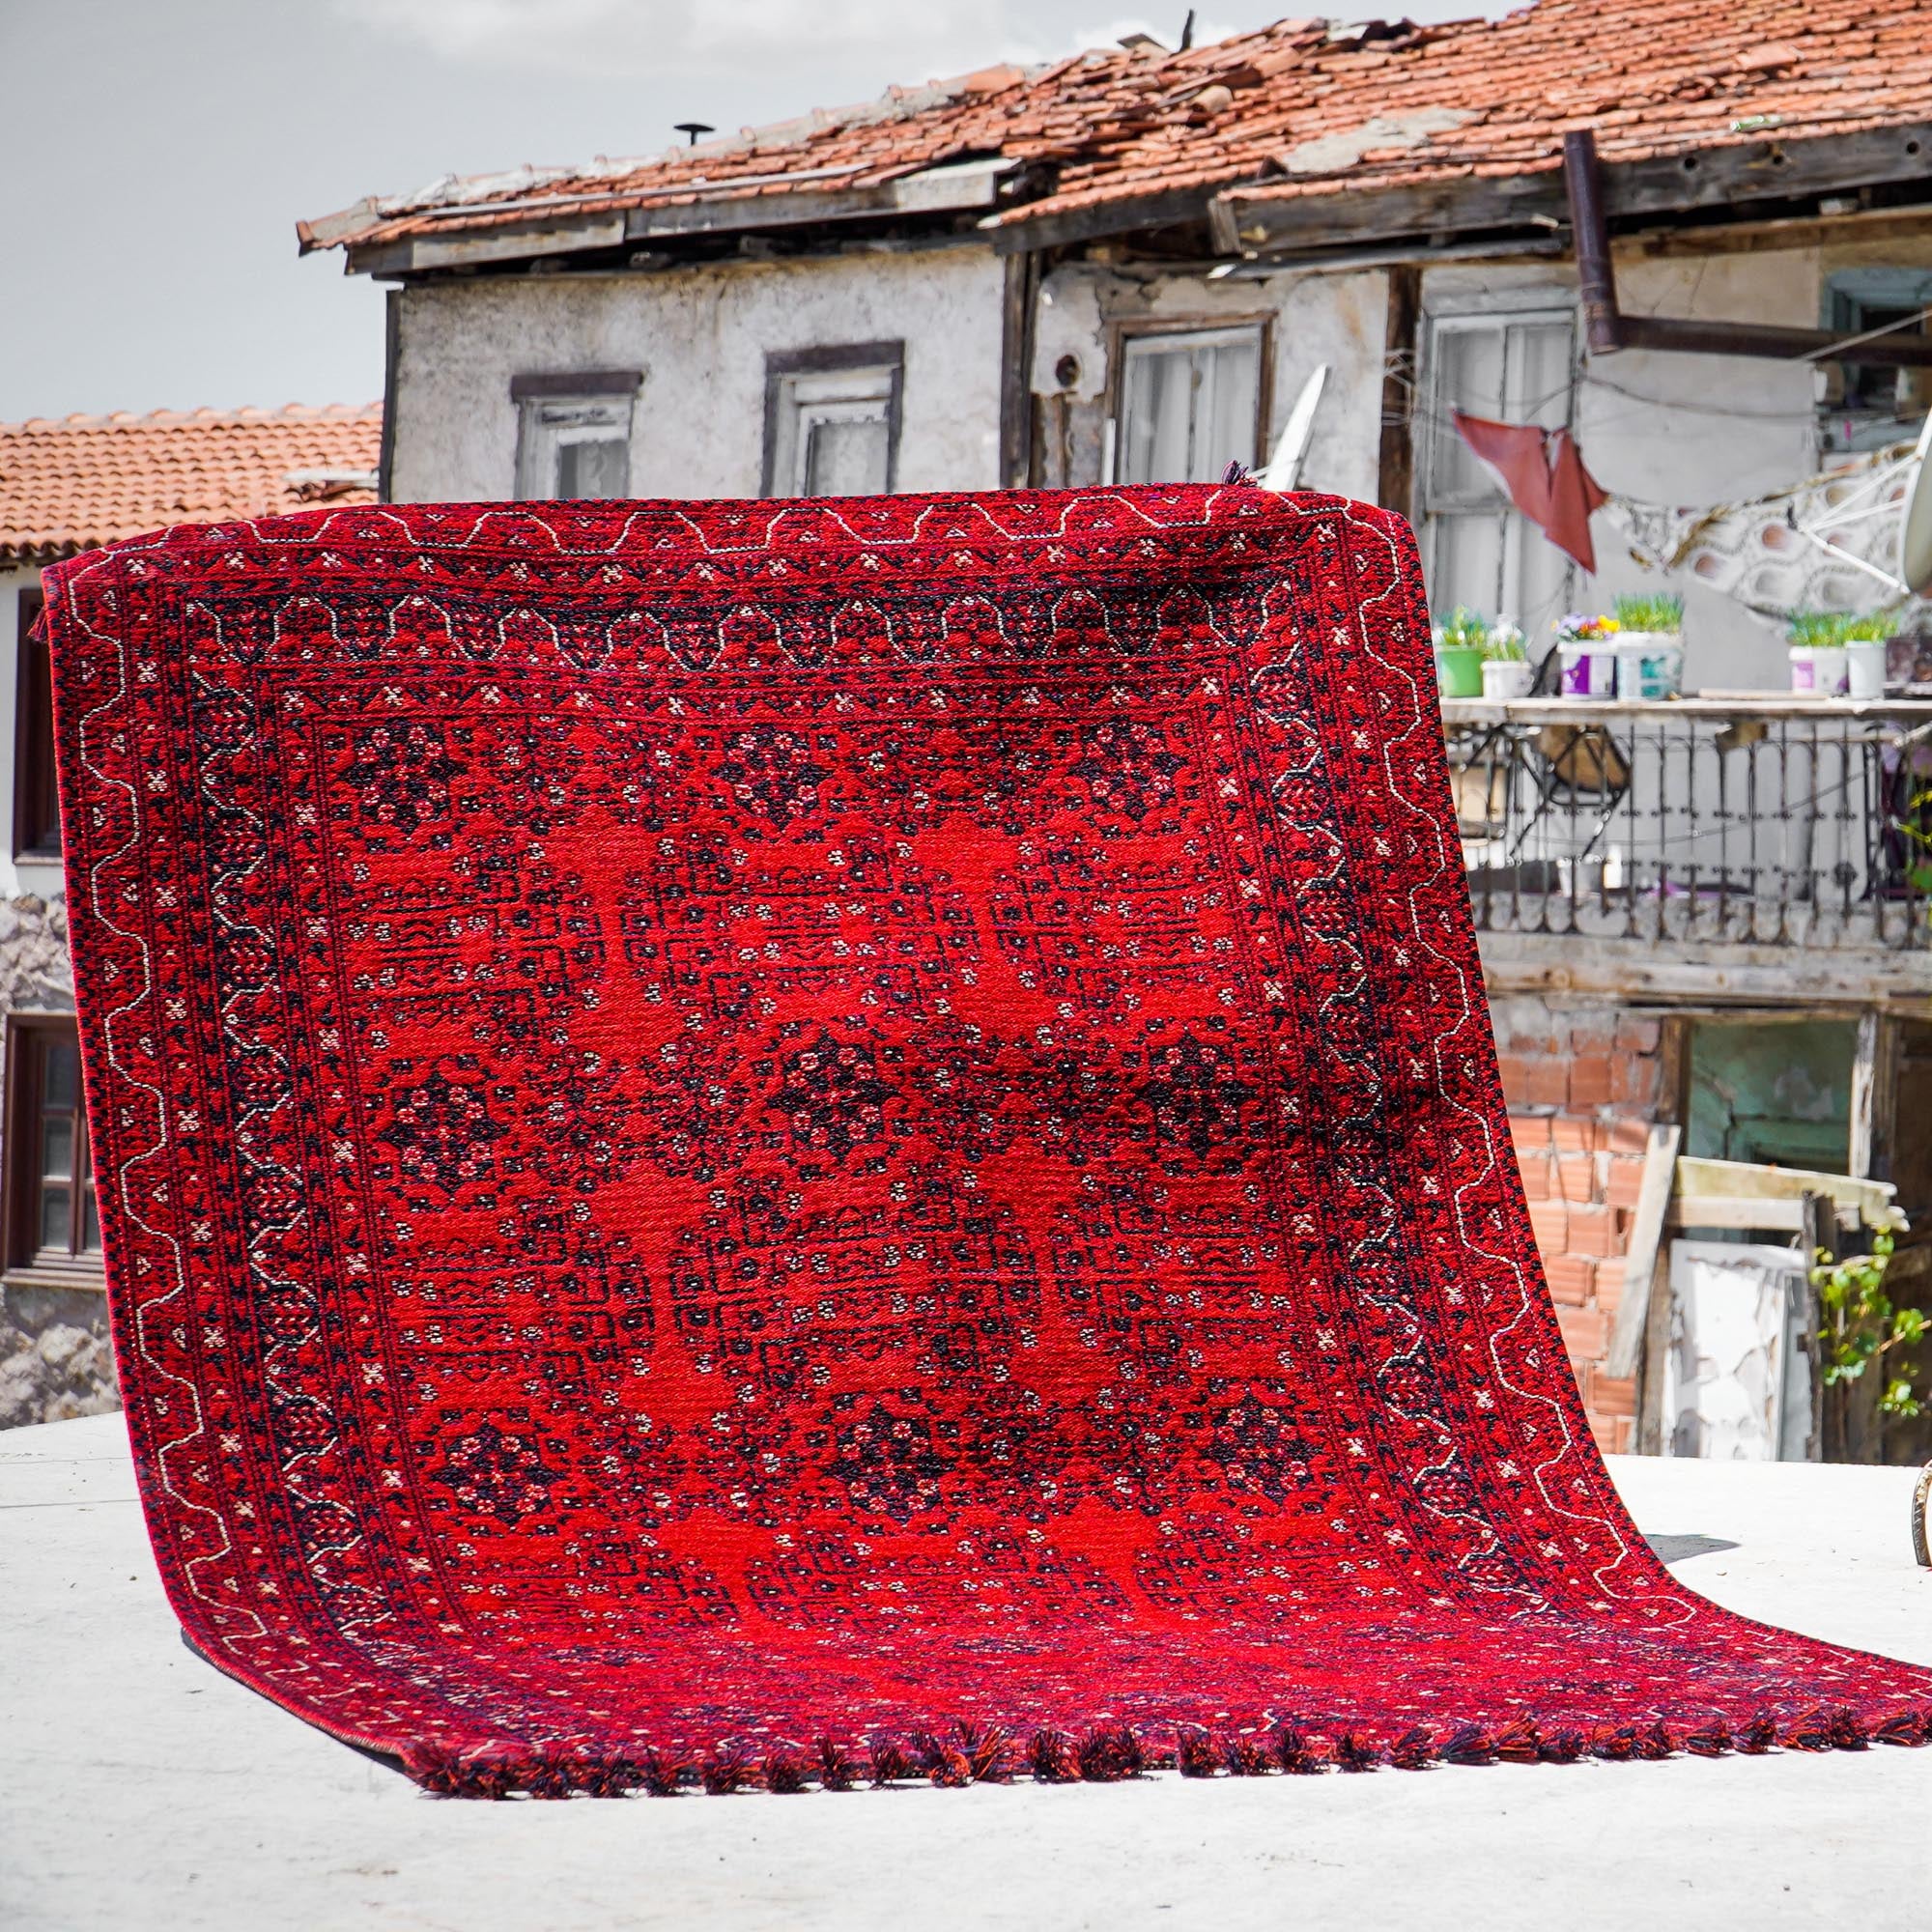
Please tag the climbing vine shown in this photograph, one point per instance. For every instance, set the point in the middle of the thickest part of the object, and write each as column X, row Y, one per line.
column 1860, row 1327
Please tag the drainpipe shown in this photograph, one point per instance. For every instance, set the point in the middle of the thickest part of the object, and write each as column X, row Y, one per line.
column 1608, row 329
column 1602, row 324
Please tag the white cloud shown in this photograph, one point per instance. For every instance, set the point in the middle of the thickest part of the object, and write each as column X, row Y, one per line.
column 669, row 37
column 909, row 40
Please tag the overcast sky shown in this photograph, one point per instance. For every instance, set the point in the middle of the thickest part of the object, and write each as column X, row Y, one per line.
column 158, row 153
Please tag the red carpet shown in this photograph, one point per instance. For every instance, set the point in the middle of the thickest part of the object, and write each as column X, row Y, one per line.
column 760, row 1144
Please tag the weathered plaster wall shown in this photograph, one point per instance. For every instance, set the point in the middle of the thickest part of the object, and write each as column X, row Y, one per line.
column 35, row 974
column 1336, row 320
column 55, row 1360
column 1674, row 429
column 1684, row 429
column 700, row 338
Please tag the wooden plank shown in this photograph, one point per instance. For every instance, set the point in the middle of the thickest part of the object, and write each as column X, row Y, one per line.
column 1715, row 973
column 1651, row 1364
column 1716, row 176
column 1735, row 1211
column 1742, row 1212
column 1018, row 304
column 1696, row 1175
column 1353, row 213
column 1680, row 335
column 414, row 254
column 393, row 349
column 1394, row 486
column 1640, row 1257
column 1862, row 226
column 1768, row 170
column 1168, row 208
column 1909, row 1264
column 1222, row 232
column 937, row 191
column 1819, row 1231
column 1864, row 1094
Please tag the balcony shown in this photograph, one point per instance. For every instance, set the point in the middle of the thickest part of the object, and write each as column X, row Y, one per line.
column 1740, row 843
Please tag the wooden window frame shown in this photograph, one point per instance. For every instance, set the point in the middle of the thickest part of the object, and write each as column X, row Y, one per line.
column 831, row 362
column 37, row 829
column 1501, row 311
column 596, row 388
column 1262, row 320
column 19, row 1167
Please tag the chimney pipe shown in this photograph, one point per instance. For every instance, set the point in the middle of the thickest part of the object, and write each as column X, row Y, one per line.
column 1604, row 326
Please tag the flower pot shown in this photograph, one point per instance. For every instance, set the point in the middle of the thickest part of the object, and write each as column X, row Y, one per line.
column 1506, row 678
column 1458, row 670
column 1819, row 670
column 1589, row 669
column 1649, row 664
column 1865, row 669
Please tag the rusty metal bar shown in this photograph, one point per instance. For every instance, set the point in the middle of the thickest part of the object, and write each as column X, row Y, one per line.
column 1778, row 345
column 1773, row 830
column 1603, row 324
column 1608, row 329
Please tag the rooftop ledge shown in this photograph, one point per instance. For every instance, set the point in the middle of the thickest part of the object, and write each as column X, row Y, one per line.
column 1708, row 705
column 143, row 1788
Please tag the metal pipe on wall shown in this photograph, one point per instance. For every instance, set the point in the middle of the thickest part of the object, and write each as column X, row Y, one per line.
column 1608, row 329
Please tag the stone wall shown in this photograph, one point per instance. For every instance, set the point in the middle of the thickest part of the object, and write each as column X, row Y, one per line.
column 1585, row 1081
column 34, row 976
column 55, row 1359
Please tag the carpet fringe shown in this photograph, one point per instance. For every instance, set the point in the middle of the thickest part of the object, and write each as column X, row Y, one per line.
column 990, row 1754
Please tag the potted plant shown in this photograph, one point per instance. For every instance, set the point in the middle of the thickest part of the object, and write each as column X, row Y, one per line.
column 1460, row 641
column 1506, row 671
column 1650, row 643
column 1586, row 655
column 1817, row 650
column 1865, row 639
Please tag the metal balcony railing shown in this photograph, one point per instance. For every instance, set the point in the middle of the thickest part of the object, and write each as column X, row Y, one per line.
column 1751, row 819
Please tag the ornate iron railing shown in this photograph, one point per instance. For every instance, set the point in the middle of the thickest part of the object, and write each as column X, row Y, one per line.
column 1744, row 820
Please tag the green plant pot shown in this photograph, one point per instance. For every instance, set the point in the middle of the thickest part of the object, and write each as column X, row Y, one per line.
column 1458, row 670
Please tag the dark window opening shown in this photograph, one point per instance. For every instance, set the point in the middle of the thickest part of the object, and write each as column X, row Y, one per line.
column 1867, row 404
column 1871, row 385
column 37, row 831
column 53, row 1219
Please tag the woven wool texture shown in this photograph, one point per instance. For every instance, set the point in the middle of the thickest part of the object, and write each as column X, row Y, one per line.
column 758, row 1143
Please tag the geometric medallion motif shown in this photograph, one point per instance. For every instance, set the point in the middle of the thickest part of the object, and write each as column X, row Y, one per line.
column 736, row 1138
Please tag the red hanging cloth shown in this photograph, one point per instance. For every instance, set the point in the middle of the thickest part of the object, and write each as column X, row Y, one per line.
column 1542, row 470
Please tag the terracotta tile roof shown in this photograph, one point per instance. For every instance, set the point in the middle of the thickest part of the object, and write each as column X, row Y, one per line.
column 68, row 485
column 1307, row 106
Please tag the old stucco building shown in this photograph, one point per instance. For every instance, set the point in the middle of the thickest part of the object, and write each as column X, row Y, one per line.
column 1132, row 265
column 64, row 487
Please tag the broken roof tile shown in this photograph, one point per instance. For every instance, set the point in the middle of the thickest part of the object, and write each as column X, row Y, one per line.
column 1655, row 77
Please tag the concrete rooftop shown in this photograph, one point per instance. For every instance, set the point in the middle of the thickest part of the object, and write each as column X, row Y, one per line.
column 139, row 1788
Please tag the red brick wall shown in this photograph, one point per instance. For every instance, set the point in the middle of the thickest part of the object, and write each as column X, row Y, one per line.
column 1584, row 1084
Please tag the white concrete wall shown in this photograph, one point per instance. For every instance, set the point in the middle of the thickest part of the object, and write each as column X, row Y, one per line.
column 1688, row 430
column 1715, row 429
column 701, row 336
column 1672, row 428
column 1337, row 320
